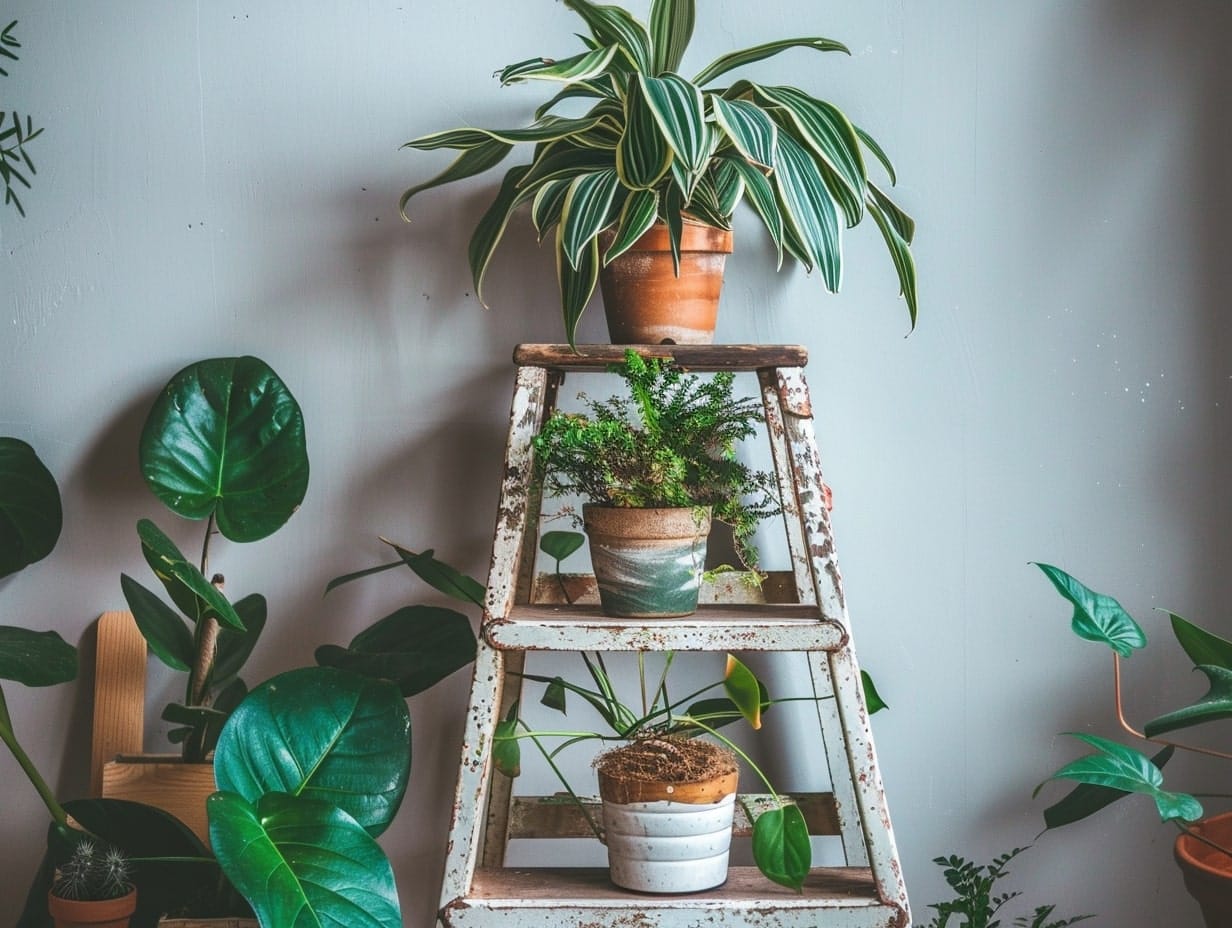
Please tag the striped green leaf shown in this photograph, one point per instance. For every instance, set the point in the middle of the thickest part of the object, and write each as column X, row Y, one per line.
column 879, row 153
column 748, row 126
column 760, row 194
column 728, row 187
column 903, row 224
column 671, row 28
column 727, row 62
column 585, row 211
column 636, row 216
column 491, row 227
column 824, row 129
column 568, row 70
column 671, row 207
column 680, row 115
column 705, row 204
column 471, row 162
column 598, row 88
column 565, row 161
column 808, row 209
column 904, row 264
column 611, row 25
column 547, row 129
column 604, row 136
column 546, row 207
column 643, row 155
column 577, row 284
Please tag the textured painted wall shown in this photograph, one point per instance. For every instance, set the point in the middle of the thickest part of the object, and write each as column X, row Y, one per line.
column 222, row 178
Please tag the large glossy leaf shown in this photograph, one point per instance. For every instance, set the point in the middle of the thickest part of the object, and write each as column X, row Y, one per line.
column 727, row 62
column 1125, row 769
column 415, row 647
column 1203, row 647
column 36, row 658
column 743, row 689
column 586, row 211
column 680, row 114
column 164, row 629
column 183, row 581
column 492, row 224
column 471, row 162
column 1086, row 799
column 30, row 511
column 226, row 437
column 808, row 208
column 1216, row 704
column 320, row 733
column 781, row 846
column 643, row 155
column 303, row 863
column 671, row 28
column 611, row 25
column 1097, row 616
column 567, row 70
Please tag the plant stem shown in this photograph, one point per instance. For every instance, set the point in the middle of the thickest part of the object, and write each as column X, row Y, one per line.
column 739, row 753
column 565, row 783
column 27, row 765
column 1120, row 712
column 1207, row 841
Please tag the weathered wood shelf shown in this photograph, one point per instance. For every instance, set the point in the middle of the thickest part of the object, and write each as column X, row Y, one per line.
column 689, row 357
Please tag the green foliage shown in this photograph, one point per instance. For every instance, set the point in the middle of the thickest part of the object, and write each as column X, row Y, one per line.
column 976, row 901
column 670, row 443
column 15, row 159
column 30, row 510
column 93, row 872
column 655, row 145
column 224, row 442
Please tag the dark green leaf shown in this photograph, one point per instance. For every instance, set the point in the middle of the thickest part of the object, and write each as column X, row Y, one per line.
column 36, row 658
column 506, row 750
column 808, row 208
column 671, row 28
column 185, row 584
column 559, row 545
column 643, row 155
column 164, row 629
column 586, row 212
column 492, row 224
column 732, row 60
column 1097, row 617
column 680, row 114
column 546, row 207
column 234, row 647
column 577, row 285
column 302, row 862
column 581, row 67
column 761, row 197
column 636, row 217
column 781, row 846
column 226, row 437
column 871, row 144
column 320, row 733
column 1086, row 799
column 611, row 25
column 872, row 699
column 1216, row 704
column 366, row 572
column 904, row 263
column 441, row 576
column 752, row 132
column 471, row 162
column 554, row 695
column 415, row 647
column 1203, row 647
column 30, row 512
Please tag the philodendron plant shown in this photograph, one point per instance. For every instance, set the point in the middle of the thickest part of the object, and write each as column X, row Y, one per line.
column 224, row 443
column 655, row 145
column 1115, row 770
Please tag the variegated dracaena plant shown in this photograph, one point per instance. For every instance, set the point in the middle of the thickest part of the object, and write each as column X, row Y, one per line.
column 657, row 146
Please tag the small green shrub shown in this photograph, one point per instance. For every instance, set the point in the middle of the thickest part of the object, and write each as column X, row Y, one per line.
column 974, row 899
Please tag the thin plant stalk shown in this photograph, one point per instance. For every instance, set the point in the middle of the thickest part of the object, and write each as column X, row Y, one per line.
column 27, row 766
column 1124, row 723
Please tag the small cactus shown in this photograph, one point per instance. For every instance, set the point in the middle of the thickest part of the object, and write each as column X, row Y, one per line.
column 93, row 873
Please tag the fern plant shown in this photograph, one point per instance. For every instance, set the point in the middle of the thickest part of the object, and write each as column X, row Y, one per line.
column 670, row 443
column 14, row 158
column 978, row 904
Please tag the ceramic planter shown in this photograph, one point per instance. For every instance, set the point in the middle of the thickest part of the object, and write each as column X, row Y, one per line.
column 82, row 913
column 648, row 304
column 668, row 838
column 647, row 562
column 1208, row 872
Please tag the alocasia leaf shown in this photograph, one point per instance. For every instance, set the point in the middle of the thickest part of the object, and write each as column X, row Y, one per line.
column 1097, row 616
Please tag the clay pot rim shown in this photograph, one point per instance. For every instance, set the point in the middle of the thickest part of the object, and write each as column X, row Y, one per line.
column 695, row 236
column 118, row 906
column 1184, row 854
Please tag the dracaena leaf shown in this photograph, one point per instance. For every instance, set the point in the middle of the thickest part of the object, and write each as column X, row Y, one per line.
column 1097, row 616
column 611, row 25
column 748, row 126
column 727, row 62
column 643, row 154
column 636, row 217
column 586, row 211
column 671, row 28
column 808, row 209
column 577, row 284
column 679, row 112
column 492, row 224
column 567, row 70
column 469, row 163
column 900, row 254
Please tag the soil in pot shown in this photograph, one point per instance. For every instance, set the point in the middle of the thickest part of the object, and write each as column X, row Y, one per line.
column 646, row 303
column 83, row 913
column 1207, row 871
column 647, row 562
column 667, row 814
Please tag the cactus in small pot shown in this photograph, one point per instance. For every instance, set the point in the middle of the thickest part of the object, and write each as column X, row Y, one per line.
column 93, row 873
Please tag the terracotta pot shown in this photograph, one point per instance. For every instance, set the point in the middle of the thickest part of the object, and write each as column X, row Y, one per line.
column 1208, row 872
column 647, row 562
column 103, row 913
column 668, row 838
column 647, row 304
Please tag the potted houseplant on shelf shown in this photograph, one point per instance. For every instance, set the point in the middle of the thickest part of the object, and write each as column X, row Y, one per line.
column 1203, row 849
column 650, row 175
column 223, row 443
column 655, row 467
column 93, row 889
column 667, row 796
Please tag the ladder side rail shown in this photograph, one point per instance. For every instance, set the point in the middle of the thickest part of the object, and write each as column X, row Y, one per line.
column 495, row 841
column 529, row 394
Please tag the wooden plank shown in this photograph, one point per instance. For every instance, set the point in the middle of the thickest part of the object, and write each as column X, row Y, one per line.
column 688, row 357
column 163, row 781
column 777, row 586
column 119, row 693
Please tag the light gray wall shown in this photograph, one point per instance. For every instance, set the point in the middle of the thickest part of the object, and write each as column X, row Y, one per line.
column 222, row 178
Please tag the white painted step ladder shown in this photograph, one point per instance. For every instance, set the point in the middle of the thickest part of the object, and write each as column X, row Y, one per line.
column 478, row 889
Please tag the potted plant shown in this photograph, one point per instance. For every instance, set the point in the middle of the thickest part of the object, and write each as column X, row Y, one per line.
column 650, row 175
column 1203, row 849
column 93, row 889
column 667, row 795
column 654, row 468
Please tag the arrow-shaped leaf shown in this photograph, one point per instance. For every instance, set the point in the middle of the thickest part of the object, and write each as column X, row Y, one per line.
column 1097, row 617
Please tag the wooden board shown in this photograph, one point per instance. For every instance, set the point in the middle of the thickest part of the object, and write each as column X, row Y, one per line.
column 165, row 782
column 689, row 357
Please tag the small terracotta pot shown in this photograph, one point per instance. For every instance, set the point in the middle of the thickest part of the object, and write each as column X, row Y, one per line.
column 1208, row 872
column 647, row 304
column 647, row 562
column 102, row 913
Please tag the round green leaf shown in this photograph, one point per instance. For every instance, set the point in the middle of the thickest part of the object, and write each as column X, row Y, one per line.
column 321, row 733
column 559, row 545
column 303, row 862
column 36, row 658
column 781, row 846
column 226, row 437
column 30, row 513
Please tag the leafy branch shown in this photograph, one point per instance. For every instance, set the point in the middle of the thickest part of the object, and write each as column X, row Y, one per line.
column 15, row 160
